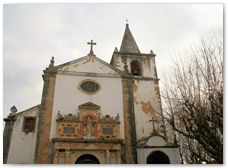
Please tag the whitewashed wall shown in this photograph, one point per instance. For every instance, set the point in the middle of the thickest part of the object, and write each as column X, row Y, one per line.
column 147, row 64
column 146, row 106
column 145, row 91
column 68, row 97
column 22, row 147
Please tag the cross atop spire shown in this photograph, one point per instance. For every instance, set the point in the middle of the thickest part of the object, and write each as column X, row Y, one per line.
column 126, row 21
column 91, row 49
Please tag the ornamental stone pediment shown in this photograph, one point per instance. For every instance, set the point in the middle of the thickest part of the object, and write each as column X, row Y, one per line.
column 89, row 105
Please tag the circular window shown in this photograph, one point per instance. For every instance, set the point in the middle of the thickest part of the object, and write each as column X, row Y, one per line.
column 89, row 86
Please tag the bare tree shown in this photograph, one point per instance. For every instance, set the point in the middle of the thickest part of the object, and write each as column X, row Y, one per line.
column 193, row 101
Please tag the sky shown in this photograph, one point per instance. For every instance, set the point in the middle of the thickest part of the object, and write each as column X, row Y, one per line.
column 33, row 33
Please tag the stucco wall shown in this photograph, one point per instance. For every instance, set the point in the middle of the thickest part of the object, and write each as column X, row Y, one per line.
column 146, row 104
column 68, row 97
column 88, row 64
column 147, row 63
column 22, row 147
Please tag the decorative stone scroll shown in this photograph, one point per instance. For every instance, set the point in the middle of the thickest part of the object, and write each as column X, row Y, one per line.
column 68, row 117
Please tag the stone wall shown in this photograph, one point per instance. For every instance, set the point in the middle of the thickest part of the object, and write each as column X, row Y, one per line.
column 7, row 136
column 129, row 122
column 44, row 125
column 68, row 151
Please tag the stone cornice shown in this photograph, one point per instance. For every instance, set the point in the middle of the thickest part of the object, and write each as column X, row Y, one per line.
column 87, row 140
column 89, row 74
column 10, row 118
column 134, row 54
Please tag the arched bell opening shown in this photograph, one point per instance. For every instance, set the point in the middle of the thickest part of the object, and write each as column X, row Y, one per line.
column 135, row 68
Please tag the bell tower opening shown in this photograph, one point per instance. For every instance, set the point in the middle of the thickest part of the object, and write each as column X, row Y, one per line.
column 135, row 68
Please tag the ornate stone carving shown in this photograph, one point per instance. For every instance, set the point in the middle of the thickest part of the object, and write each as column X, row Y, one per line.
column 88, row 124
column 52, row 62
column 13, row 111
column 88, row 128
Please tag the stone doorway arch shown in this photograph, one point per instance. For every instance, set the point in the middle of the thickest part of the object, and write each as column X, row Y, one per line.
column 157, row 157
column 87, row 159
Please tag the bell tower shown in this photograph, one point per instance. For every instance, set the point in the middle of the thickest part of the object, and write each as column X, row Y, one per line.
column 138, row 64
column 141, row 68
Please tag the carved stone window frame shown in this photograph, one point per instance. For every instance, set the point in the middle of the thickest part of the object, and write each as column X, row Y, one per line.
column 24, row 121
column 89, row 80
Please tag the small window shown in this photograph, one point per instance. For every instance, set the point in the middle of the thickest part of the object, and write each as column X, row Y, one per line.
column 29, row 124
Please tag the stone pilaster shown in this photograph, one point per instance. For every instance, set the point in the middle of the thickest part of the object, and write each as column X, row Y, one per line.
column 55, row 156
column 7, row 136
column 67, row 156
column 118, row 156
column 107, row 156
column 45, row 115
column 129, row 122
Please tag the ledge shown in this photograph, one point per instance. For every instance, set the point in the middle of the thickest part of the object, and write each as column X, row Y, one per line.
column 136, row 54
column 10, row 118
column 174, row 146
column 87, row 140
column 140, row 77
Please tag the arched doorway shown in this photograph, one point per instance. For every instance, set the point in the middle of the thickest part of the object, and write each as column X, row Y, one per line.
column 87, row 159
column 157, row 157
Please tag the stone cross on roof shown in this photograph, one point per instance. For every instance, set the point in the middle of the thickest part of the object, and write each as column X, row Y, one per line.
column 153, row 120
column 91, row 43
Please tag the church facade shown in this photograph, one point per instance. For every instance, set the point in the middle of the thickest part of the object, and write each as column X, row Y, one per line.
column 94, row 112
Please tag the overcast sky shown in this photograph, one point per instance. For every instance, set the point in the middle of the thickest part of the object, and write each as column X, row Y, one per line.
column 33, row 33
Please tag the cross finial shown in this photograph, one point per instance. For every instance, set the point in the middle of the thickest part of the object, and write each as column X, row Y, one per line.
column 91, row 43
column 153, row 120
column 126, row 21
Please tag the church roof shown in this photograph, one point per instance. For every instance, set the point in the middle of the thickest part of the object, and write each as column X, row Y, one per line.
column 128, row 44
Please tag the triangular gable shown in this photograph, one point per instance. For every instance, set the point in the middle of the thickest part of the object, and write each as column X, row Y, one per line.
column 88, row 64
column 89, row 105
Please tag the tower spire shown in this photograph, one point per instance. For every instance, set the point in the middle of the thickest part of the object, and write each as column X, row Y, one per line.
column 128, row 44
